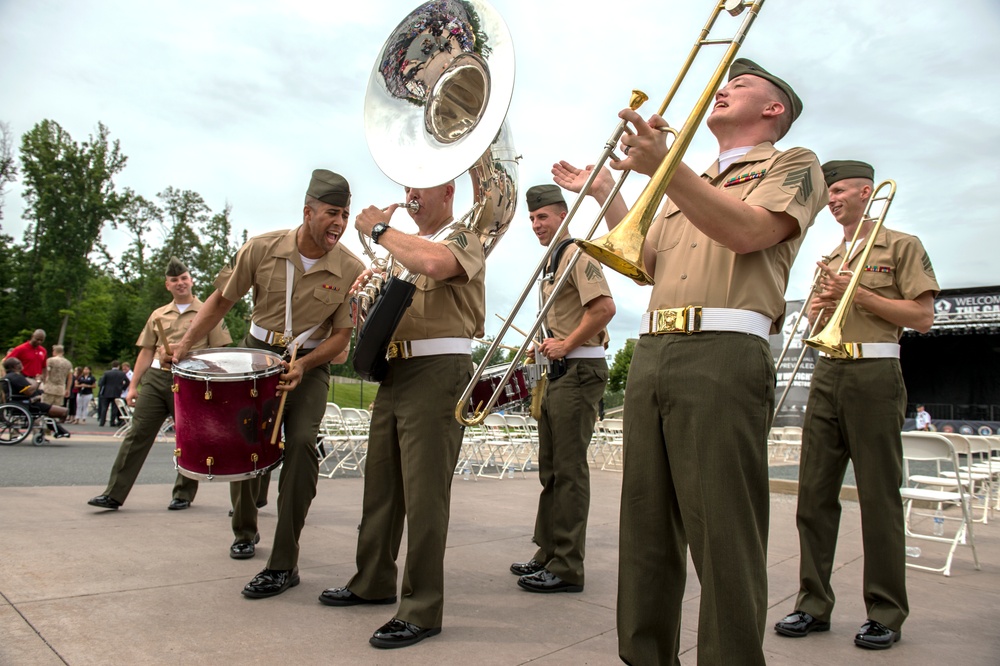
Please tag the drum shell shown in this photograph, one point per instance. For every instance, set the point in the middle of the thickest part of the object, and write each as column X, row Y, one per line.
column 516, row 389
column 224, row 420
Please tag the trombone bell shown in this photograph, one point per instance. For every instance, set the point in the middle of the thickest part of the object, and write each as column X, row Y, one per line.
column 621, row 252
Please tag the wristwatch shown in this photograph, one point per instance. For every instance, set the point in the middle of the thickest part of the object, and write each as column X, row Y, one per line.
column 377, row 231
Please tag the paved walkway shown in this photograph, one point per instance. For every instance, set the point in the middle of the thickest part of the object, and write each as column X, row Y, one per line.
column 144, row 585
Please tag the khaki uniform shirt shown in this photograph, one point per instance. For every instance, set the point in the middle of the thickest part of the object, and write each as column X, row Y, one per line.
column 897, row 268
column 57, row 370
column 319, row 295
column 175, row 324
column 454, row 308
column 693, row 269
column 585, row 283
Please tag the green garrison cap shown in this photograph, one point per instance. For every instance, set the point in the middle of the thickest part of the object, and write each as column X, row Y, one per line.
column 175, row 268
column 543, row 195
column 842, row 169
column 744, row 66
column 330, row 188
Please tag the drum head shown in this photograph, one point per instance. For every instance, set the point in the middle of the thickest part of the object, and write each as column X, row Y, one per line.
column 229, row 364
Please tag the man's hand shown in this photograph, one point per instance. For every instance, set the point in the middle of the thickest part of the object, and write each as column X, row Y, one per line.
column 371, row 216
column 291, row 378
column 131, row 396
column 554, row 348
column 646, row 148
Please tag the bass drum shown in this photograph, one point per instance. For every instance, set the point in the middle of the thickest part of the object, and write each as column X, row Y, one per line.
column 225, row 403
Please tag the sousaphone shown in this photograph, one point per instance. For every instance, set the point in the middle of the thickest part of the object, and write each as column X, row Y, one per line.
column 436, row 106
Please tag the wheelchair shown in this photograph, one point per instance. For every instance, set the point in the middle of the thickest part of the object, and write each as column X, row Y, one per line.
column 19, row 419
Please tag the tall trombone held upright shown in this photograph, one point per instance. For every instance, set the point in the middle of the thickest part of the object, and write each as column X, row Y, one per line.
column 621, row 250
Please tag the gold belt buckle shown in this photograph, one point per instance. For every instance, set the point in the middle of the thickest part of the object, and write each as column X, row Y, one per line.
column 282, row 340
column 398, row 350
column 677, row 320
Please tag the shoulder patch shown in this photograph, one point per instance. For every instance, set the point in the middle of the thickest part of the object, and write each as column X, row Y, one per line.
column 802, row 180
column 460, row 239
column 925, row 261
column 593, row 272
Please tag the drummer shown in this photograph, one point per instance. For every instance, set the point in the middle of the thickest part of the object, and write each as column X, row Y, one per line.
column 300, row 280
column 576, row 337
column 155, row 403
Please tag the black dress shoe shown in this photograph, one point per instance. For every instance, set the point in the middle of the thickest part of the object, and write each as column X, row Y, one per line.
column 546, row 581
column 178, row 504
column 105, row 502
column 876, row 636
column 526, row 568
column 396, row 634
column 341, row 596
column 799, row 624
column 271, row 582
column 244, row 550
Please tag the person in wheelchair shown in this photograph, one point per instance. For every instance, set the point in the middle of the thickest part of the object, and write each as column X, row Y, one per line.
column 23, row 391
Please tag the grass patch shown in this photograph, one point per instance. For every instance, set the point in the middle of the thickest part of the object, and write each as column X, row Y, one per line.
column 356, row 394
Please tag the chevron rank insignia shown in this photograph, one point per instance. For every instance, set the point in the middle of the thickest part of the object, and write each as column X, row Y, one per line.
column 593, row 272
column 801, row 180
column 926, row 263
column 459, row 238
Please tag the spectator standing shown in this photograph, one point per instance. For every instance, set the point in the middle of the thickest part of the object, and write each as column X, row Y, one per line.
column 74, row 393
column 85, row 391
column 57, row 380
column 111, row 385
column 32, row 355
column 923, row 418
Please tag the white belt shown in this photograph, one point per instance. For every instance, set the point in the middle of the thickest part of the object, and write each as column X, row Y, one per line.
column 155, row 365
column 278, row 339
column 694, row 319
column 586, row 352
column 431, row 347
column 871, row 349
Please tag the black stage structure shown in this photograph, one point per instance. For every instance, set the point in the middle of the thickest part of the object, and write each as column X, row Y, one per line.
column 953, row 369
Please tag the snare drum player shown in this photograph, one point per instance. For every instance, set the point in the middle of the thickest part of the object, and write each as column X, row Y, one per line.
column 855, row 412
column 414, row 439
column 577, row 322
column 300, row 280
column 700, row 392
column 155, row 402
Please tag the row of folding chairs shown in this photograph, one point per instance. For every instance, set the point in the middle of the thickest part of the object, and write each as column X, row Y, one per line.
column 125, row 414
column 342, row 443
column 952, row 477
column 784, row 444
column 503, row 446
column 606, row 445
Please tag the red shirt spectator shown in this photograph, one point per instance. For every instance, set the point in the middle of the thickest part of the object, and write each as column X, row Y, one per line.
column 32, row 355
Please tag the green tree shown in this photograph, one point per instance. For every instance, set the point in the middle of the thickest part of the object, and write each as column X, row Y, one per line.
column 618, row 374
column 186, row 212
column 70, row 194
column 8, row 166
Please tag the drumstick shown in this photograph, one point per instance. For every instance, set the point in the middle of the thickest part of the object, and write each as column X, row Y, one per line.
column 166, row 343
column 516, row 329
column 281, row 403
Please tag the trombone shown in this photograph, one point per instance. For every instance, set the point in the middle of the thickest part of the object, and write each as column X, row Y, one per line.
column 621, row 249
column 829, row 339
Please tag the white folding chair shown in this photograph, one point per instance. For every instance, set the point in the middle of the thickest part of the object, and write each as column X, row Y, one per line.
column 933, row 447
column 125, row 414
column 349, row 443
column 496, row 448
column 614, row 434
column 524, row 441
column 977, row 472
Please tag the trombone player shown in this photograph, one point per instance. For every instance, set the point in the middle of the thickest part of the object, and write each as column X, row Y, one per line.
column 700, row 389
column 855, row 412
column 577, row 322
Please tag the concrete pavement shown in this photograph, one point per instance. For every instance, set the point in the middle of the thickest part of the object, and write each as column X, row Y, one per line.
column 144, row 585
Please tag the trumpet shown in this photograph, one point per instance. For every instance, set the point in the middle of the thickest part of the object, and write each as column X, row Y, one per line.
column 621, row 250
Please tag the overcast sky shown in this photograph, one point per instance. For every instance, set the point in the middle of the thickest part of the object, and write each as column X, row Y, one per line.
column 240, row 100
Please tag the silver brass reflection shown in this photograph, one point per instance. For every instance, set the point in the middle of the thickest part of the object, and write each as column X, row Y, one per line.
column 442, row 82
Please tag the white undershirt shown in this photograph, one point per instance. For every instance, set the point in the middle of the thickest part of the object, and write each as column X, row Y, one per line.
column 307, row 263
column 182, row 308
column 727, row 157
